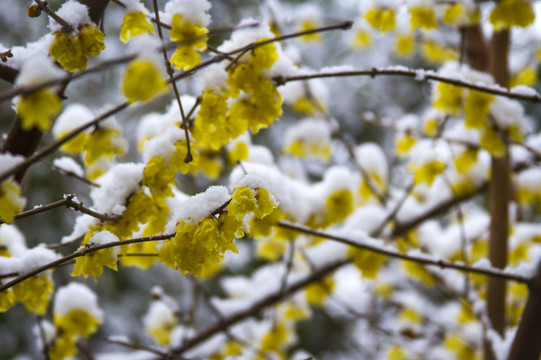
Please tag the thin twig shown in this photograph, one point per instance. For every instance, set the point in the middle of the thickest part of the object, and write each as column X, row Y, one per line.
column 170, row 72
column 74, row 175
column 58, row 143
column 68, row 202
column 67, row 27
column 419, row 75
column 137, row 347
column 424, row 259
column 82, row 252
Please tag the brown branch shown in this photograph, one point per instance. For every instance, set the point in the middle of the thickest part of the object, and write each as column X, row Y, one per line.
column 423, row 259
column 43, row 5
column 419, row 75
column 82, row 252
column 37, row 156
column 74, row 175
column 68, row 202
column 8, row 73
column 258, row 306
column 170, row 72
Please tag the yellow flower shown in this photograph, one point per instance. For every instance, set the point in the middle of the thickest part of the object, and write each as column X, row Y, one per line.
column 367, row 262
column 404, row 45
column 133, row 24
column 263, row 103
column 437, row 53
column 466, row 160
column 71, row 51
column 105, row 143
column 245, row 200
column 460, row 347
column 339, row 206
column 526, row 76
column 64, row 347
column 508, row 13
column 448, row 98
column 309, row 149
column 11, row 201
column 196, row 247
column 452, row 12
column 404, row 143
column 492, row 142
column 67, row 51
column 142, row 81
column 423, row 17
column 309, row 25
column 77, row 322
column 37, row 108
column 92, row 264
column 427, row 173
column 316, row 293
column 7, row 300
column 237, row 152
column 279, row 336
column 395, row 352
column 191, row 37
column 382, row 19
column 476, row 109
column 91, row 40
column 419, row 272
column 34, row 293
column 211, row 127
column 362, row 39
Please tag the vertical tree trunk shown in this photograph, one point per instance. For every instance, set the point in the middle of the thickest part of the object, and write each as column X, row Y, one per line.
column 500, row 190
column 527, row 343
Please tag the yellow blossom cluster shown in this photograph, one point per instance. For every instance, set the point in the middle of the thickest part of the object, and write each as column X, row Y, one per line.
column 71, row 51
column 38, row 108
column 133, row 24
column 11, row 201
column 190, row 38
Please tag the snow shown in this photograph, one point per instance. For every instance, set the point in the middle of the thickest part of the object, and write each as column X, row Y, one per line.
column 246, row 35
column 254, row 181
column 507, row 112
column 309, row 130
column 82, row 224
column 12, row 239
column 214, row 77
column 194, row 11
column 36, row 70
column 163, row 145
column 73, row 116
column 38, row 49
column 10, row 265
column 36, row 257
column 8, row 161
column 116, row 185
column 74, row 13
column 336, row 69
column 154, row 124
column 201, row 205
column 76, row 296
column 68, row 165
column 501, row 347
column 103, row 237
column 523, row 90
column 158, row 315
column 372, row 159
column 134, row 6
column 148, row 48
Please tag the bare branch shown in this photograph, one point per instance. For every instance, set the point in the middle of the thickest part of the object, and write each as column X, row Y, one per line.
column 424, row 259
column 419, row 75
